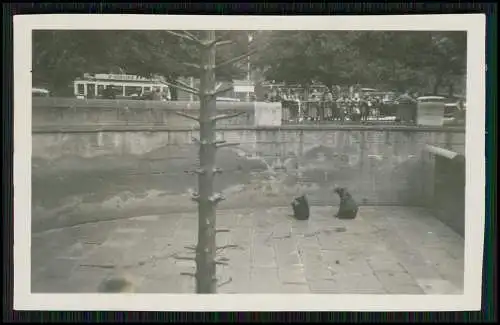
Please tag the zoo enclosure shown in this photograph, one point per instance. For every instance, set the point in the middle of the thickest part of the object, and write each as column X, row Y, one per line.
column 380, row 164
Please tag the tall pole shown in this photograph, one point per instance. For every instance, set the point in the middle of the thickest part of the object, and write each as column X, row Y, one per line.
column 250, row 37
column 206, row 281
column 206, row 249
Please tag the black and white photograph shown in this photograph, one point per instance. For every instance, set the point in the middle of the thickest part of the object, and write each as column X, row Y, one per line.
column 206, row 159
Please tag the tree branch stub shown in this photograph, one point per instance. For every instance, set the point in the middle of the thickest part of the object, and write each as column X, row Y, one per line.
column 192, row 36
column 186, row 86
column 236, row 59
column 227, row 246
column 199, row 171
column 188, row 274
column 225, row 282
column 186, row 35
column 183, row 258
column 218, row 92
column 197, row 119
column 195, row 197
column 192, row 65
column 222, row 145
column 216, row 198
column 221, row 43
column 182, row 86
column 227, row 116
column 208, row 67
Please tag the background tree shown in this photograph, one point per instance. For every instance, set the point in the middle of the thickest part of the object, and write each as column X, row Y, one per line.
column 417, row 59
column 63, row 55
column 389, row 59
column 286, row 59
column 396, row 60
column 330, row 57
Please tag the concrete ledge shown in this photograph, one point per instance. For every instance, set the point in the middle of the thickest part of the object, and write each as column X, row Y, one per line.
column 441, row 152
column 132, row 127
column 74, row 103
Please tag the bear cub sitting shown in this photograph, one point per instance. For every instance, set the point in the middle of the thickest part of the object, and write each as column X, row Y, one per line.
column 348, row 207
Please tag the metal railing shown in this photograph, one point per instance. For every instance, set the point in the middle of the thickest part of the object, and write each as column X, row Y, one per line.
column 315, row 112
column 332, row 112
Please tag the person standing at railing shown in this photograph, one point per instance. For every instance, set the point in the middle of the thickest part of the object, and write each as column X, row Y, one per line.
column 314, row 113
column 375, row 106
column 356, row 109
column 334, row 95
column 326, row 105
column 273, row 96
column 300, row 114
column 289, row 106
column 365, row 105
column 341, row 108
column 278, row 98
column 348, row 106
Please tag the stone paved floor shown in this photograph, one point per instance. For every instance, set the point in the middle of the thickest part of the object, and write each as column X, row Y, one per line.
column 395, row 250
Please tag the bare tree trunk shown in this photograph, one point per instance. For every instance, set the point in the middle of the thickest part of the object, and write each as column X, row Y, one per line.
column 206, row 249
column 206, row 281
column 437, row 85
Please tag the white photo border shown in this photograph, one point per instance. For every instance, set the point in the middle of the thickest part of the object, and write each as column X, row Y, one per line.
column 474, row 24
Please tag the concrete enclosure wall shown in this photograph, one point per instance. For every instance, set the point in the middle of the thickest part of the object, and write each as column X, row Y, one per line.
column 378, row 166
column 445, row 189
column 48, row 112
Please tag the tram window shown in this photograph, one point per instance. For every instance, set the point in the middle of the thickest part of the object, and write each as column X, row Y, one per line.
column 100, row 89
column 81, row 89
column 91, row 90
column 137, row 91
column 130, row 91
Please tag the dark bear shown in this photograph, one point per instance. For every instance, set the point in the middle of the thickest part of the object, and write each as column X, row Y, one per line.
column 348, row 208
column 300, row 208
